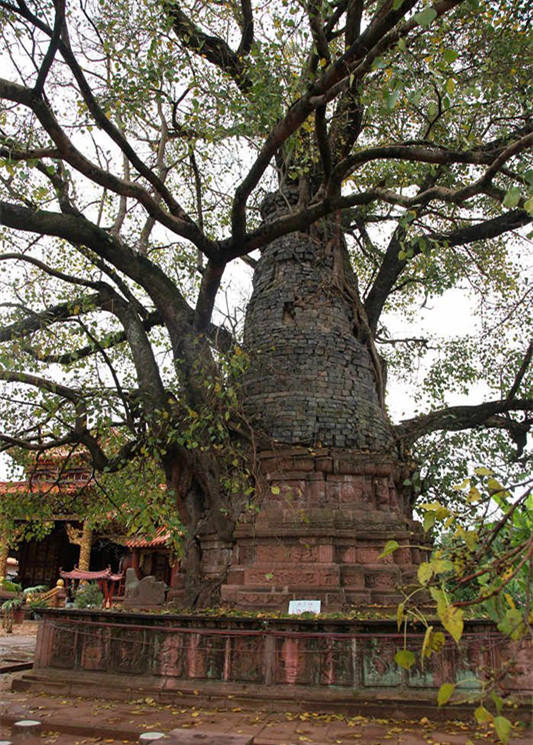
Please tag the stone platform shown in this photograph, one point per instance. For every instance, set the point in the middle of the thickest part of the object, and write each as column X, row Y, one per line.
column 324, row 517
column 310, row 664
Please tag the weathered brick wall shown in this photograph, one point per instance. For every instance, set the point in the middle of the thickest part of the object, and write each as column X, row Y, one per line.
column 311, row 381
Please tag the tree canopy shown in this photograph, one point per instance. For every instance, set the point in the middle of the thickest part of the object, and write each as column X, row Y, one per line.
column 139, row 142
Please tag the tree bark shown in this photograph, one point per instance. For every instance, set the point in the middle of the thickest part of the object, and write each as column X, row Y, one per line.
column 4, row 553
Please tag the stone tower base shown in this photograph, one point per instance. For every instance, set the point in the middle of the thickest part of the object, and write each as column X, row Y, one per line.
column 324, row 518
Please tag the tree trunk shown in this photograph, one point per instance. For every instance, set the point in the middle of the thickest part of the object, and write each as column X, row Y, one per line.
column 209, row 522
column 86, row 542
column 4, row 553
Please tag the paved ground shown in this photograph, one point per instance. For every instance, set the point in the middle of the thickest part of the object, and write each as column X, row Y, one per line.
column 83, row 721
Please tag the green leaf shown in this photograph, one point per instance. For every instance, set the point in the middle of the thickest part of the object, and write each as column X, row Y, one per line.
column 471, row 539
column 275, row 489
column 528, row 205
column 391, row 99
column 396, row 4
column 390, row 547
column 512, row 197
column 483, row 471
column 405, row 658
column 512, row 624
column 503, row 728
column 450, row 86
column 450, row 55
column 433, row 109
column 482, row 715
column 445, row 693
column 426, row 17
column 498, row 701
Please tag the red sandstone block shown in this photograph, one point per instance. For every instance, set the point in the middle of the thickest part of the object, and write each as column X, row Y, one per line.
column 316, row 493
column 327, row 553
column 306, row 463
column 199, row 737
column 298, row 553
column 325, row 465
column 235, row 577
column 333, row 493
column 353, row 578
column 384, row 469
column 228, row 594
column 358, row 597
column 266, row 454
column 402, row 556
column 345, row 465
column 351, row 492
column 293, row 577
column 259, row 599
column 370, row 555
column 347, row 555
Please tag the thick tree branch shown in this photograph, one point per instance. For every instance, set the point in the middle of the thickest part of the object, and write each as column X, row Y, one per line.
column 456, row 418
column 109, row 342
column 100, row 117
column 247, row 28
column 174, row 222
column 319, row 93
column 54, row 314
column 55, row 40
column 37, row 381
column 392, row 265
column 213, row 48
column 211, row 279
column 521, row 372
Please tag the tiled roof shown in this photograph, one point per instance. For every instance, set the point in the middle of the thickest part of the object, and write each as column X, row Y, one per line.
column 160, row 539
column 39, row 487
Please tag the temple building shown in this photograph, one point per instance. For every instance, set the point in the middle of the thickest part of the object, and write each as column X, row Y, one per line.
column 62, row 539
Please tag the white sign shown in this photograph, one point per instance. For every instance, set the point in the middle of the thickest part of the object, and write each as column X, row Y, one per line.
column 303, row 606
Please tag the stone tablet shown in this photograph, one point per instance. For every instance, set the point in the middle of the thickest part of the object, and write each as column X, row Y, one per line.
column 146, row 593
column 304, row 606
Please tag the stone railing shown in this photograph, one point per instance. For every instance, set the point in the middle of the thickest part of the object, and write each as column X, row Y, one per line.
column 300, row 652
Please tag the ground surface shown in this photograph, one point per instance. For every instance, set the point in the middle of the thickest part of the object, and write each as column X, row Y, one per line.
column 84, row 721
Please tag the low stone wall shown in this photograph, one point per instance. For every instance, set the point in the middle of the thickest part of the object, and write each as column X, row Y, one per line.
column 272, row 652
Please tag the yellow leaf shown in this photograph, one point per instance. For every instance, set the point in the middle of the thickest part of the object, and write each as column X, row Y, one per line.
column 425, row 572
column 426, row 644
column 399, row 614
column 452, row 620
column 482, row 715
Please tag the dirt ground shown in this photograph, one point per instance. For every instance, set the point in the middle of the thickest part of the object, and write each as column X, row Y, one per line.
column 86, row 721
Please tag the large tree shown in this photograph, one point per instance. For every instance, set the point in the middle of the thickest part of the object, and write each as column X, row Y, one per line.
column 375, row 154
